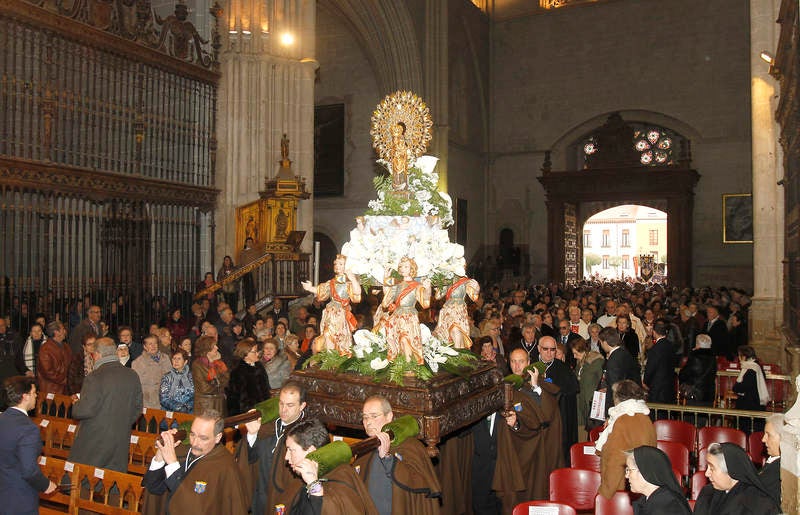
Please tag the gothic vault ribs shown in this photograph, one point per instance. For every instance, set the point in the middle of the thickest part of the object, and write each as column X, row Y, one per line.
column 442, row 406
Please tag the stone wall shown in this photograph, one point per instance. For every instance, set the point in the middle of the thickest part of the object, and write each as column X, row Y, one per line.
column 345, row 76
column 553, row 71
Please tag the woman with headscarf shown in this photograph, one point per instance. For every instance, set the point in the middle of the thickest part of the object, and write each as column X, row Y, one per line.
column 735, row 487
column 649, row 472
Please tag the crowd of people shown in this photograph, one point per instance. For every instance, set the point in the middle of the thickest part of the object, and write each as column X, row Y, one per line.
column 613, row 338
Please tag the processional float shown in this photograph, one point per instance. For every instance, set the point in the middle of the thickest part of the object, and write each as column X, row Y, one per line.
column 401, row 247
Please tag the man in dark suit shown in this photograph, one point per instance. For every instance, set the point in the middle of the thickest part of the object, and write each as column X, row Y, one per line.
column 21, row 480
column 659, row 373
column 484, row 460
column 529, row 342
column 619, row 364
column 565, row 338
column 110, row 402
column 718, row 331
column 89, row 325
column 770, row 474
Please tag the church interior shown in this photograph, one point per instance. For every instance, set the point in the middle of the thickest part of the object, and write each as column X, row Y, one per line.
column 142, row 142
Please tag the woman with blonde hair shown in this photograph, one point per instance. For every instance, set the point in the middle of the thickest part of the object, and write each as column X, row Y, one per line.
column 491, row 329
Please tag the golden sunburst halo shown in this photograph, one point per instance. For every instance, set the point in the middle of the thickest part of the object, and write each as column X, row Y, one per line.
column 401, row 107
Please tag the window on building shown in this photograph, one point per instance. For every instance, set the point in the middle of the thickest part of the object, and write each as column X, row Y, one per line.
column 653, row 236
column 606, row 234
column 626, row 234
column 587, row 238
column 626, row 262
column 329, row 150
column 605, row 262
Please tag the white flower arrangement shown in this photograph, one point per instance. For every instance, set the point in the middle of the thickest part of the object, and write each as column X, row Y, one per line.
column 425, row 199
column 375, row 249
column 434, row 350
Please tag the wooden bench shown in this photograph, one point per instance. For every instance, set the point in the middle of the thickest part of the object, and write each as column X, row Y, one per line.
column 63, row 474
column 150, row 421
column 58, row 435
column 102, row 497
column 141, row 452
column 55, row 405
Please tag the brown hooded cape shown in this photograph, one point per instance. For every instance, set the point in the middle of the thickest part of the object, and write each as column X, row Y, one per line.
column 415, row 487
column 526, row 457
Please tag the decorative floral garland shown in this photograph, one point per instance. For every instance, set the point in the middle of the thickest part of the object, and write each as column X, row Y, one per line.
column 369, row 358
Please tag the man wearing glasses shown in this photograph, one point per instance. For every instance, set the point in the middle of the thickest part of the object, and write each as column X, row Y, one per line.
column 400, row 479
column 561, row 375
column 89, row 325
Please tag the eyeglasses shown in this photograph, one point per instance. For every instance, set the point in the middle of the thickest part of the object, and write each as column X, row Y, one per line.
column 548, row 349
column 628, row 470
column 370, row 416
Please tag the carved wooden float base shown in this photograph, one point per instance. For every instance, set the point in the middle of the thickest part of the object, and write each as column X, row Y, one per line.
column 442, row 405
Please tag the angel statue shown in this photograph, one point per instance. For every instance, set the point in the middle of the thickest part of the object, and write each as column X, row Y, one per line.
column 453, row 324
column 399, row 318
column 338, row 323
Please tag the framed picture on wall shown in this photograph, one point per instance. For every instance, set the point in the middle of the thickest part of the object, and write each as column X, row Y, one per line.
column 737, row 218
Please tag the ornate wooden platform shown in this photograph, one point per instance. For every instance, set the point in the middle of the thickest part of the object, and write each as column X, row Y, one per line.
column 442, row 405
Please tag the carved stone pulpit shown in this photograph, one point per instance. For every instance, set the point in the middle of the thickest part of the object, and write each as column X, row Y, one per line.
column 272, row 219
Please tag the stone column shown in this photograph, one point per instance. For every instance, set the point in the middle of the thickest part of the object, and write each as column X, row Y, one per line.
column 436, row 81
column 266, row 90
column 766, row 315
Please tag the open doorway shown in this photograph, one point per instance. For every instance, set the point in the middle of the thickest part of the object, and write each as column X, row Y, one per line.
column 624, row 242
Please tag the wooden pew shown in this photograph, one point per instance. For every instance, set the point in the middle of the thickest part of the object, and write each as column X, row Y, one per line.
column 100, row 497
column 150, row 420
column 58, row 435
column 141, row 452
column 63, row 474
column 54, row 405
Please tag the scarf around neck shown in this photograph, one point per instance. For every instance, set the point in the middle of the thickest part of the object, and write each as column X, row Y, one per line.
column 761, row 383
column 630, row 408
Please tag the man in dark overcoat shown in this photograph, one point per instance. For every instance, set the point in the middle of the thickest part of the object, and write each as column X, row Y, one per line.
column 109, row 404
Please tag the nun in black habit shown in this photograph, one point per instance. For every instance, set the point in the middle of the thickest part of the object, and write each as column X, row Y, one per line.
column 649, row 472
column 735, row 487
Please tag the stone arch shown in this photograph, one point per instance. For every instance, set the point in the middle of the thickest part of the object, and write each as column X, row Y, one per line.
column 386, row 32
column 563, row 149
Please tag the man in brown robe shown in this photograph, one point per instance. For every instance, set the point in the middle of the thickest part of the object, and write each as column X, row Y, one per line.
column 201, row 479
column 529, row 444
column 272, row 481
column 338, row 492
column 400, row 479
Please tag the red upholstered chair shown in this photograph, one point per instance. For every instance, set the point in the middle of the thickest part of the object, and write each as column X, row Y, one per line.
column 576, row 487
column 756, row 448
column 594, row 433
column 563, row 509
column 676, row 431
column 620, row 504
column 778, row 391
column 582, row 456
column 711, row 434
column 678, row 455
column 699, row 480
